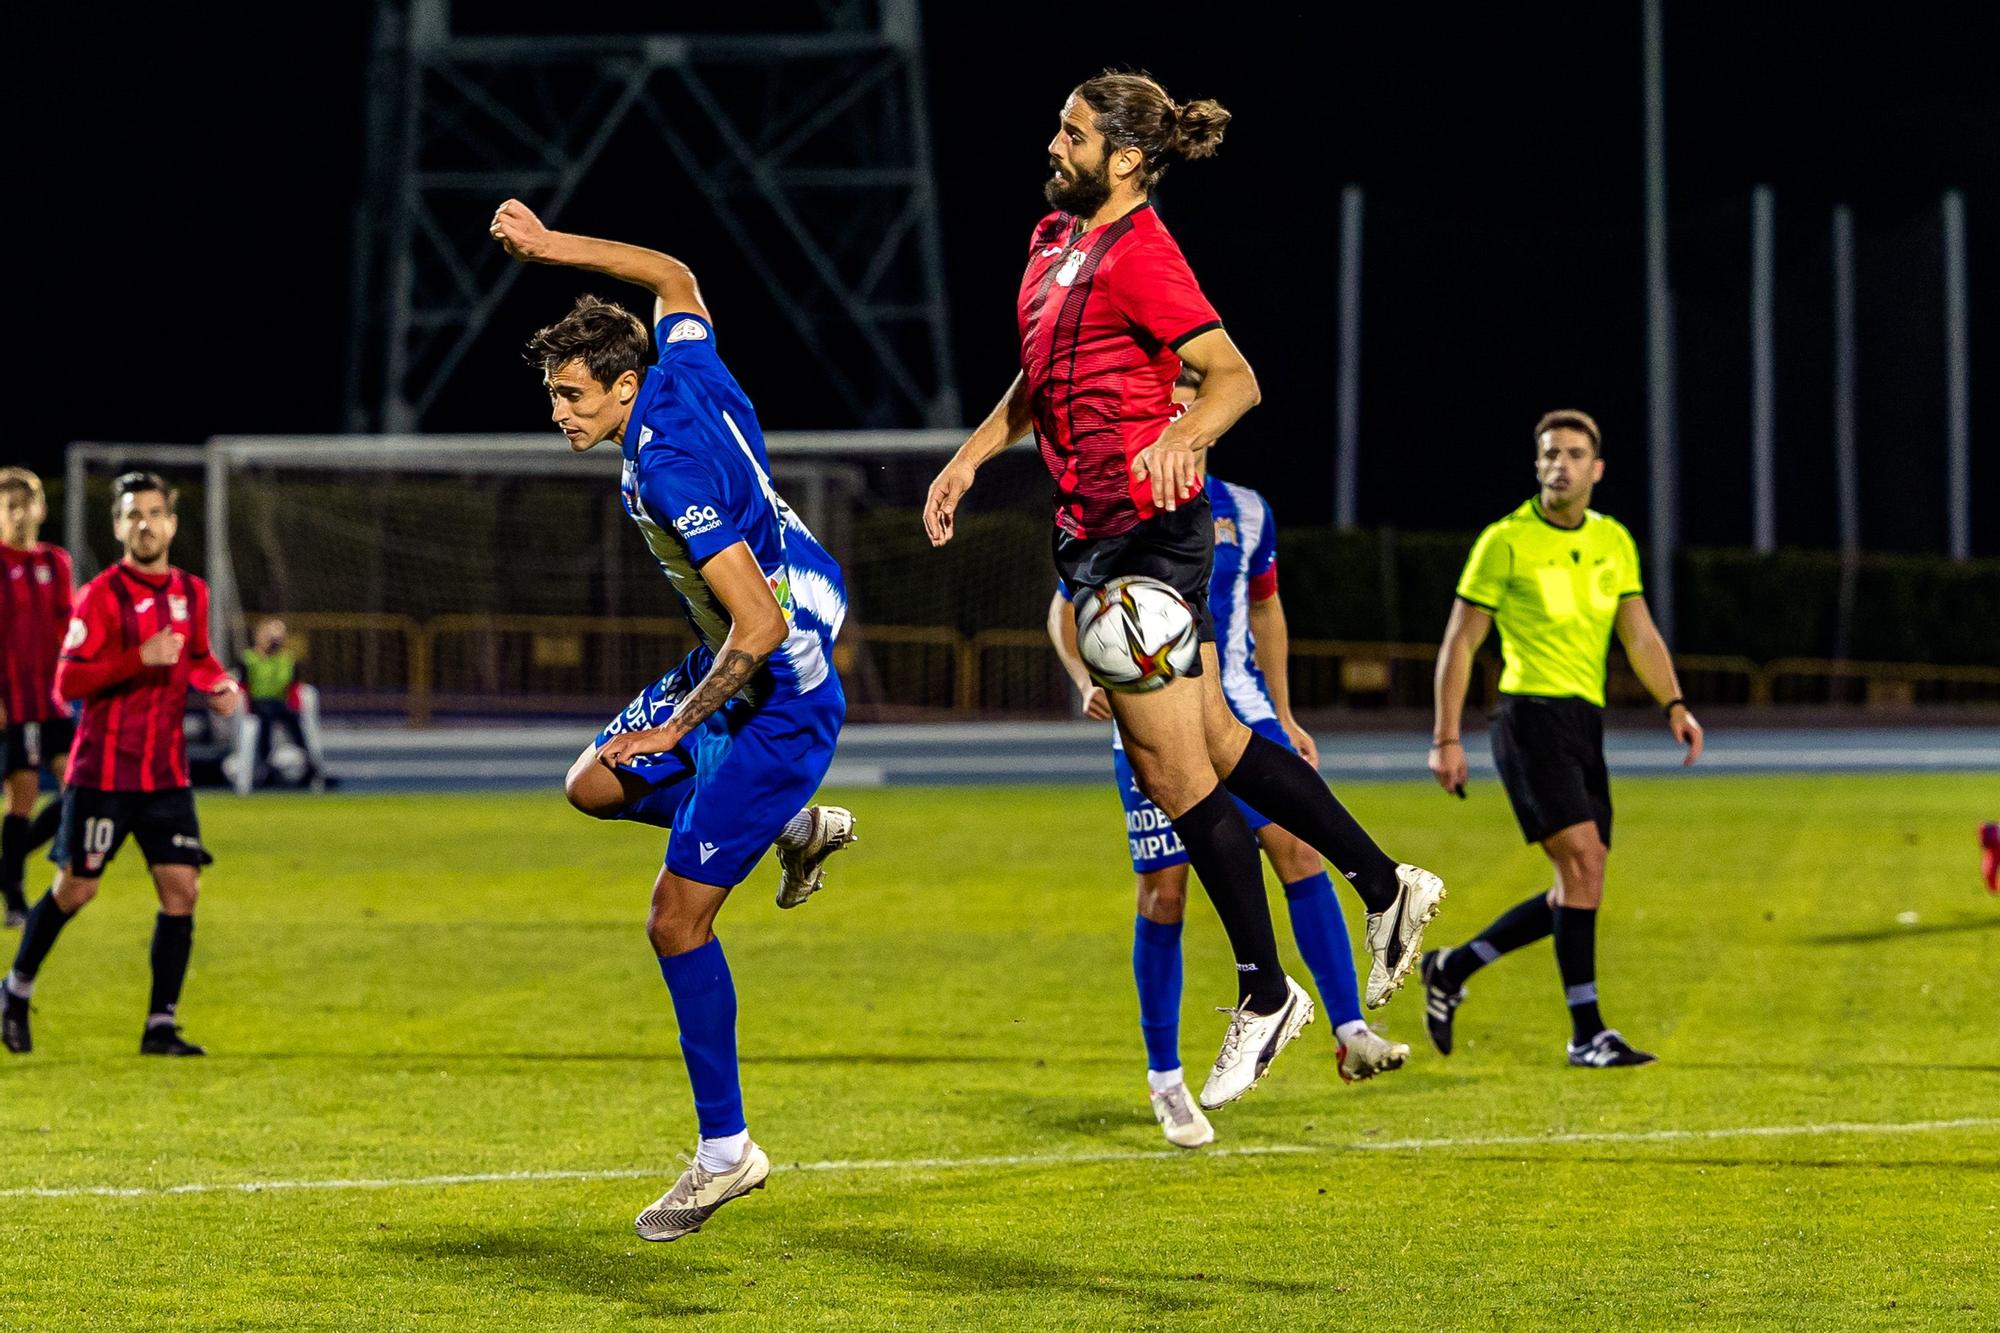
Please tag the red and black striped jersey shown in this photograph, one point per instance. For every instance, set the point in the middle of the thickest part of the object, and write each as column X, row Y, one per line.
column 1102, row 317
column 130, row 737
column 34, row 611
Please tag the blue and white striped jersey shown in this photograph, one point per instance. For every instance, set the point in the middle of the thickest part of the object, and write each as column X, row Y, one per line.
column 697, row 480
column 1246, row 570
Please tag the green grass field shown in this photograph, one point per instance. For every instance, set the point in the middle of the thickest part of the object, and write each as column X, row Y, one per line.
column 396, row 988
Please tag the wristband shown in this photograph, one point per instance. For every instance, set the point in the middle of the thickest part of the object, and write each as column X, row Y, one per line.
column 1449, row 740
column 1671, row 705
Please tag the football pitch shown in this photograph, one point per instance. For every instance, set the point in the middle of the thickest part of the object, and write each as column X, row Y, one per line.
column 444, row 1077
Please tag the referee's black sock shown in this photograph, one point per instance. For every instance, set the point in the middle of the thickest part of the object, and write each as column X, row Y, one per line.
column 1576, row 959
column 1223, row 852
column 45, row 922
column 173, row 941
column 14, row 832
column 1522, row 924
column 1286, row 790
column 47, row 820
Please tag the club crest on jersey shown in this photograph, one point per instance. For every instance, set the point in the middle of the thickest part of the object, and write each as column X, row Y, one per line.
column 1067, row 273
column 18, row 572
column 687, row 331
column 1225, row 532
column 177, row 606
column 41, row 573
column 78, row 632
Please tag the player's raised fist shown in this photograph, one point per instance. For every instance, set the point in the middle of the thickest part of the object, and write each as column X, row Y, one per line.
column 519, row 231
column 163, row 649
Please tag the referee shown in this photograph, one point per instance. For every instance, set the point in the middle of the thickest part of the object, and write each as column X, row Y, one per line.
column 1558, row 579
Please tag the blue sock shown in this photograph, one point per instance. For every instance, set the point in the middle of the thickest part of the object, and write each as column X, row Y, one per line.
column 705, row 1007
column 1156, row 966
column 1321, row 935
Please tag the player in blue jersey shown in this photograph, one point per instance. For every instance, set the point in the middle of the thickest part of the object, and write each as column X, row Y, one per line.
column 727, row 749
column 1251, row 644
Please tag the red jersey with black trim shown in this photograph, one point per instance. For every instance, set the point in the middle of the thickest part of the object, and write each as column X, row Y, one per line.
column 130, row 736
column 34, row 611
column 1102, row 317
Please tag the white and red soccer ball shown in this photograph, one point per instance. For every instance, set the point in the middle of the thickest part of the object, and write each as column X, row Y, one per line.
column 1136, row 634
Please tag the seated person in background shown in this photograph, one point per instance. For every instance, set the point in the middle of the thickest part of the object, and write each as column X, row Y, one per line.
column 270, row 675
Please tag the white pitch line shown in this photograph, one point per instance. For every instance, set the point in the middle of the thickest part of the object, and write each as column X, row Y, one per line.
column 1030, row 1159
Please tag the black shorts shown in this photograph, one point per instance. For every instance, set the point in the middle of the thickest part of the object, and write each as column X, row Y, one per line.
column 1550, row 753
column 94, row 825
column 1176, row 548
column 32, row 745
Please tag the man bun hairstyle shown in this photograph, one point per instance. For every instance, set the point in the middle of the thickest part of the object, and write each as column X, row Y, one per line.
column 1570, row 418
column 21, row 480
column 605, row 336
column 1134, row 111
column 138, row 483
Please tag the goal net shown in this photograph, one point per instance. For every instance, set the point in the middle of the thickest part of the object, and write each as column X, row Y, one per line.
column 442, row 576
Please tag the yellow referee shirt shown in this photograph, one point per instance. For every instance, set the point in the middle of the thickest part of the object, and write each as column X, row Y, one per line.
column 1554, row 593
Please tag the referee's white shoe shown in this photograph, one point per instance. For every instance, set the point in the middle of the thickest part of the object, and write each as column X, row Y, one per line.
column 1396, row 934
column 802, row 869
column 1252, row 1043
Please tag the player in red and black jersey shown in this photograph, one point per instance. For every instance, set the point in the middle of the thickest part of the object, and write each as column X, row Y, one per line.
column 35, row 731
column 1108, row 314
column 136, row 645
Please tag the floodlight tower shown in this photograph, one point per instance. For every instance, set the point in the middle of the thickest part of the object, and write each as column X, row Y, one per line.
column 811, row 147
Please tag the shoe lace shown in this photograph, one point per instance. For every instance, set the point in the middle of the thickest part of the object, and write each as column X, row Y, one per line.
column 1239, row 1026
column 1175, row 1101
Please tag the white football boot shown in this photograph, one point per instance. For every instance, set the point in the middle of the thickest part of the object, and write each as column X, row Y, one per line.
column 1368, row 1053
column 802, row 870
column 1180, row 1119
column 1396, row 934
column 698, row 1193
column 1252, row 1043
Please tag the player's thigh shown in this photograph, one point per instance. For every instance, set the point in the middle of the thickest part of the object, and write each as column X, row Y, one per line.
column 1149, row 835
column 682, row 915
column 599, row 791
column 23, row 785
column 1164, row 742
column 755, row 767
column 1222, row 731
column 178, row 886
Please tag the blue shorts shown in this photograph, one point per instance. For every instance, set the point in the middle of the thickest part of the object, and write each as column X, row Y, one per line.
column 1155, row 845
column 731, row 787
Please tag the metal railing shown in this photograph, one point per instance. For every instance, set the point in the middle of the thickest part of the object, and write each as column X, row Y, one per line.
column 465, row 664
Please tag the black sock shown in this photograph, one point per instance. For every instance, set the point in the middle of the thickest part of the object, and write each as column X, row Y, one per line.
column 1522, row 924
column 1284, row 789
column 173, row 941
column 1576, row 959
column 1223, row 852
column 14, row 859
column 45, row 922
column 47, row 820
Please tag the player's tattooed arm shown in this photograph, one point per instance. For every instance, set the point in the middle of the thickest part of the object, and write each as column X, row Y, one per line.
column 757, row 626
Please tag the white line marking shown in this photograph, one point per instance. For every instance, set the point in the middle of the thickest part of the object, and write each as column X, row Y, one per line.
column 1028, row 1159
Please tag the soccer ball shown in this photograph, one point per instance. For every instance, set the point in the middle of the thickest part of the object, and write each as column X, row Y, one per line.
column 1136, row 634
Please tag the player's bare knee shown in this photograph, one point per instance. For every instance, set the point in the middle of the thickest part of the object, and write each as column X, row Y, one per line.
column 1163, row 895
column 71, row 893
column 1293, row 859
column 593, row 789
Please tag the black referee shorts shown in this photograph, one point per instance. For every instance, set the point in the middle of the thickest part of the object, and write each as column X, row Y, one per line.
column 31, row 746
column 96, row 823
column 1550, row 753
column 1177, row 548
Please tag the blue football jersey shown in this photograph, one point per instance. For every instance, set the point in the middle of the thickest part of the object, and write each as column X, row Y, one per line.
column 697, row 481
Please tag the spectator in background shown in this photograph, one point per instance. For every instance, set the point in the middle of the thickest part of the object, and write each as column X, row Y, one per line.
column 271, row 676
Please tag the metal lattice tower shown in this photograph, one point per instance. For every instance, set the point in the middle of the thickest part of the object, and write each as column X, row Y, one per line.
column 810, row 148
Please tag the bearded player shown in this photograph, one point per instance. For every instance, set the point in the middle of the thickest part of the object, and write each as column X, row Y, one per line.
column 35, row 597
column 727, row 749
column 136, row 645
column 1108, row 314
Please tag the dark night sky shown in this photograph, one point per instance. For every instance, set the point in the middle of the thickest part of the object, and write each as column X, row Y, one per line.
column 183, row 187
